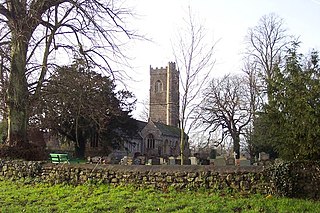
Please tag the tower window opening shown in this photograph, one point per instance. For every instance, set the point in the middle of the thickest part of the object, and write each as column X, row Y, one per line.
column 158, row 86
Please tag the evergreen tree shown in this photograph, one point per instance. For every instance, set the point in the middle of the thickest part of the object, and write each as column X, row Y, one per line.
column 81, row 105
column 291, row 120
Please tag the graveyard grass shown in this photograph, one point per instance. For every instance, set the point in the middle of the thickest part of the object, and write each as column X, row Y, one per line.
column 22, row 197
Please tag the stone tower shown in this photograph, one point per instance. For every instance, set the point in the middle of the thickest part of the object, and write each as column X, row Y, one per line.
column 164, row 95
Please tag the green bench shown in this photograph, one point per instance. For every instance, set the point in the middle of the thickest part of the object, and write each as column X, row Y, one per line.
column 59, row 158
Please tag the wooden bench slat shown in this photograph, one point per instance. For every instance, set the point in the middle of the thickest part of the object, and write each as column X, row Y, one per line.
column 59, row 158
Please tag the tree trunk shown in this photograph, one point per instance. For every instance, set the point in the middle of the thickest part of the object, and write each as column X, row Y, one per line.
column 236, row 144
column 17, row 93
column 182, row 145
column 80, row 148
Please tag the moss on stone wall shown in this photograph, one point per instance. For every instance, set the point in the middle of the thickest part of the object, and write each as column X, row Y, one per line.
column 288, row 179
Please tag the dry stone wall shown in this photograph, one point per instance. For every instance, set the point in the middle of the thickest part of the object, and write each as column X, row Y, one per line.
column 294, row 179
column 251, row 179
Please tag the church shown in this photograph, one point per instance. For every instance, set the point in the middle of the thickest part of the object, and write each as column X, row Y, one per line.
column 160, row 136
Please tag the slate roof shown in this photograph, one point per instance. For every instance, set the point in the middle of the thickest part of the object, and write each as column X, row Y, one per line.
column 168, row 130
column 139, row 125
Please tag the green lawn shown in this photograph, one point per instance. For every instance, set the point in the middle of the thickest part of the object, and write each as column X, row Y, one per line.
column 19, row 197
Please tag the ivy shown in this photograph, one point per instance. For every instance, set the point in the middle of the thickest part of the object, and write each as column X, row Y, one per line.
column 299, row 179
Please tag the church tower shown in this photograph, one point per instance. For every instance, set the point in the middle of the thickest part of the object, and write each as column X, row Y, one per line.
column 164, row 95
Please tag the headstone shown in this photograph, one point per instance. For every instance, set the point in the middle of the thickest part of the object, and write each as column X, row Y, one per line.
column 96, row 159
column 172, row 161
column 155, row 161
column 106, row 160
column 219, row 161
column 124, row 160
column 136, row 161
column 263, row 156
column 243, row 157
column 129, row 160
column 244, row 162
column 230, row 162
column 193, row 160
column 161, row 161
column 142, row 160
column 234, row 155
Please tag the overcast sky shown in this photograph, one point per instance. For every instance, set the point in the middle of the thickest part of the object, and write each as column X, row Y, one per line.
column 226, row 22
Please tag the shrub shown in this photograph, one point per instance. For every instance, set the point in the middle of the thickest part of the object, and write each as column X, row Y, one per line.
column 28, row 152
column 296, row 179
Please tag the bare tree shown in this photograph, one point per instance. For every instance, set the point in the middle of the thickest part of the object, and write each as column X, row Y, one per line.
column 226, row 108
column 144, row 114
column 3, row 80
column 251, row 74
column 38, row 31
column 194, row 59
column 266, row 41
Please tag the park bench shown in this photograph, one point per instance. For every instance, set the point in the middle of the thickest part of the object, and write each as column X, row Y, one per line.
column 59, row 158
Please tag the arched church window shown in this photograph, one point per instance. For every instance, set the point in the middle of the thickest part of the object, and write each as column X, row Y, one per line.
column 150, row 141
column 158, row 86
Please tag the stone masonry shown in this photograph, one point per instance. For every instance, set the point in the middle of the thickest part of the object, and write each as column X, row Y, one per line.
column 164, row 95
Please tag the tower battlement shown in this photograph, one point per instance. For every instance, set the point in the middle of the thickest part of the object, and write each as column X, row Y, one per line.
column 171, row 66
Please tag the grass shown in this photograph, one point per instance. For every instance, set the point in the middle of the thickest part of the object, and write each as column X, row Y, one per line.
column 20, row 197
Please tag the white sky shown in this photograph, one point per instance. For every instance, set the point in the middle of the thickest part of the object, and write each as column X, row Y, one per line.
column 224, row 20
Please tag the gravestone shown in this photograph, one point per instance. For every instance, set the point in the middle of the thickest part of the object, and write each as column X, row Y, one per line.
column 220, row 161
column 230, row 162
column 140, row 160
column 129, row 160
column 172, row 161
column 263, row 156
column 96, row 159
column 245, row 162
column 124, row 160
column 137, row 161
column 162, row 161
column 107, row 160
column 193, row 160
column 155, row 161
